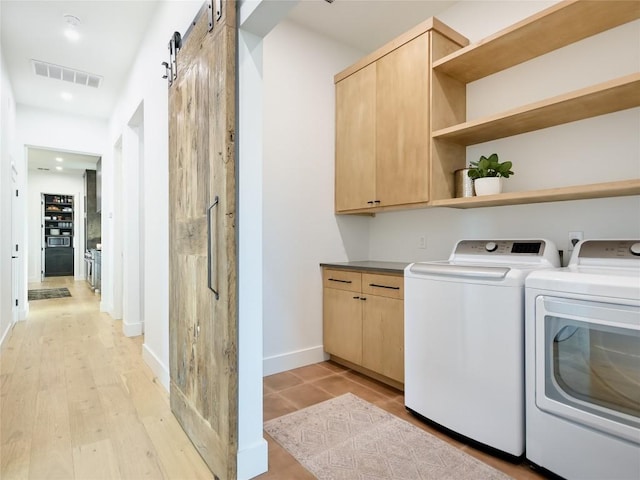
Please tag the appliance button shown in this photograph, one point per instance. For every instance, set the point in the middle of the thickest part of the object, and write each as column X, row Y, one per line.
column 491, row 246
column 635, row 249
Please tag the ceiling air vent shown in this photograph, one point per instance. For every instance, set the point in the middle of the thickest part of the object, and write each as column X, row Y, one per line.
column 50, row 70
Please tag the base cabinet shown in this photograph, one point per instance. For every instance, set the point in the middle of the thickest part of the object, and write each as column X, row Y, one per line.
column 363, row 321
column 58, row 261
column 383, row 335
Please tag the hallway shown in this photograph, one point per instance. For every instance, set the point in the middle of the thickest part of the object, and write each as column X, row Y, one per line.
column 78, row 402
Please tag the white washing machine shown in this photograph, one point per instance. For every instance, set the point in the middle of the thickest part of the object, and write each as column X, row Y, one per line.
column 583, row 363
column 464, row 338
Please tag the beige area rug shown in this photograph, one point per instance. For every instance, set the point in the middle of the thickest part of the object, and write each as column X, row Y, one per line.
column 347, row 438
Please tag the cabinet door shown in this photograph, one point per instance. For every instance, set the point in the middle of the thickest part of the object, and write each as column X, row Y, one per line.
column 342, row 324
column 383, row 336
column 356, row 140
column 402, row 131
column 58, row 261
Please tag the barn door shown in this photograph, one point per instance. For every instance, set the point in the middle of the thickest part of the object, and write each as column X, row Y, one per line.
column 202, row 235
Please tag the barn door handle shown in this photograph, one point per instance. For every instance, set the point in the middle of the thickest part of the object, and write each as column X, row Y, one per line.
column 212, row 254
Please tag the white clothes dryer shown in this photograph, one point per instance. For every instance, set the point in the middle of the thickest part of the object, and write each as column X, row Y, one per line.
column 582, row 342
column 464, row 339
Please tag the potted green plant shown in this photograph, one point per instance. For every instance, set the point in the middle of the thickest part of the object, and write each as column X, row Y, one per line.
column 487, row 174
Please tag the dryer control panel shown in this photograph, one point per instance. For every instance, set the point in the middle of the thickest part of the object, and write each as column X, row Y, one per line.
column 610, row 249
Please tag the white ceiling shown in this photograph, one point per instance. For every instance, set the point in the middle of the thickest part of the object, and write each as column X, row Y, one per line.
column 72, row 163
column 365, row 24
column 111, row 31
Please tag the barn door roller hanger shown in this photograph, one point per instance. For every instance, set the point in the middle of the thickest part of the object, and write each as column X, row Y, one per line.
column 171, row 69
column 214, row 13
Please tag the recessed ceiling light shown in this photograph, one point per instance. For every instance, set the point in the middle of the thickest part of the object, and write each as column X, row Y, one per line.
column 66, row 96
column 58, row 168
column 71, row 32
column 59, row 159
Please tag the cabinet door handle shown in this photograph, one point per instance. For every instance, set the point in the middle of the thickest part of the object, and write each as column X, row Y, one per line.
column 384, row 286
column 339, row 281
column 376, row 201
column 356, row 298
column 370, row 202
column 363, row 298
column 212, row 255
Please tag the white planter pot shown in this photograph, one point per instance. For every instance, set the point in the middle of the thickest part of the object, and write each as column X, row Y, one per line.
column 488, row 185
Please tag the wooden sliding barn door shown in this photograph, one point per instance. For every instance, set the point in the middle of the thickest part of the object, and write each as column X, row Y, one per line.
column 202, row 236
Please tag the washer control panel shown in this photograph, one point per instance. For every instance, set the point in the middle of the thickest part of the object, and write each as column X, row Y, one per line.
column 610, row 249
column 500, row 247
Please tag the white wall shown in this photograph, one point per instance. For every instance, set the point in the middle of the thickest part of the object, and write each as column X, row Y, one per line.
column 605, row 148
column 38, row 127
column 145, row 86
column 7, row 155
column 299, row 228
column 65, row 184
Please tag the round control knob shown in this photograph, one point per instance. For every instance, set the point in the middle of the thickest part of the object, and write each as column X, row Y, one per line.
column 635, row 249
column 491, row 246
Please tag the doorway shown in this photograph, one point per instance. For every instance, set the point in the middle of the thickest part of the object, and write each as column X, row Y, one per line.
column 16, row 251
column 133, row 260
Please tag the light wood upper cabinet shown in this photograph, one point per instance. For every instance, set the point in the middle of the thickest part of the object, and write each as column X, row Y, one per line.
column 402, row 119
column 356, row 144
column 382, row 122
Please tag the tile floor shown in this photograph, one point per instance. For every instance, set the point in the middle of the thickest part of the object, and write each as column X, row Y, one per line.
column 290, row 391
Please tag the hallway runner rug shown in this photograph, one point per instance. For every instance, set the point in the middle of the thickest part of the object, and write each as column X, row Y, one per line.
column 47, row 293
column 347, row 438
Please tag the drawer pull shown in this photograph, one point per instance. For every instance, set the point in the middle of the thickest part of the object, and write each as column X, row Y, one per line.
column 338, row 280
column 356, row 298
column 384, row 286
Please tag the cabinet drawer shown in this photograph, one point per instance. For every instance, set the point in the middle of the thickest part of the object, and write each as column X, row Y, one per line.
column 391, row 286
column 342, row 280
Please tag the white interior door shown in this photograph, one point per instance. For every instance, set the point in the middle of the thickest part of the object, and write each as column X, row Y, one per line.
column 16, row 248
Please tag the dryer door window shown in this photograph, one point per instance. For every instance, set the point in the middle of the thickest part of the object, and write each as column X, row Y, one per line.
column 588, row 363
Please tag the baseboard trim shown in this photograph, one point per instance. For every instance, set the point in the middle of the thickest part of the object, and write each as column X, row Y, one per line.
column 253, row 460
column 105, row 307
column 291, row 360
column 132, row 329
column 24, row 312
column 155, row 364
column 6, row 332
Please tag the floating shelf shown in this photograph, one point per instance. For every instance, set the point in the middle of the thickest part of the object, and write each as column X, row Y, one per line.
column 542, row 33
column 580, row 192
column 607, row 97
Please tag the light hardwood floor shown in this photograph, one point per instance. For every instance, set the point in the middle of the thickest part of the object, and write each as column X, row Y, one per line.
column 78, row 402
